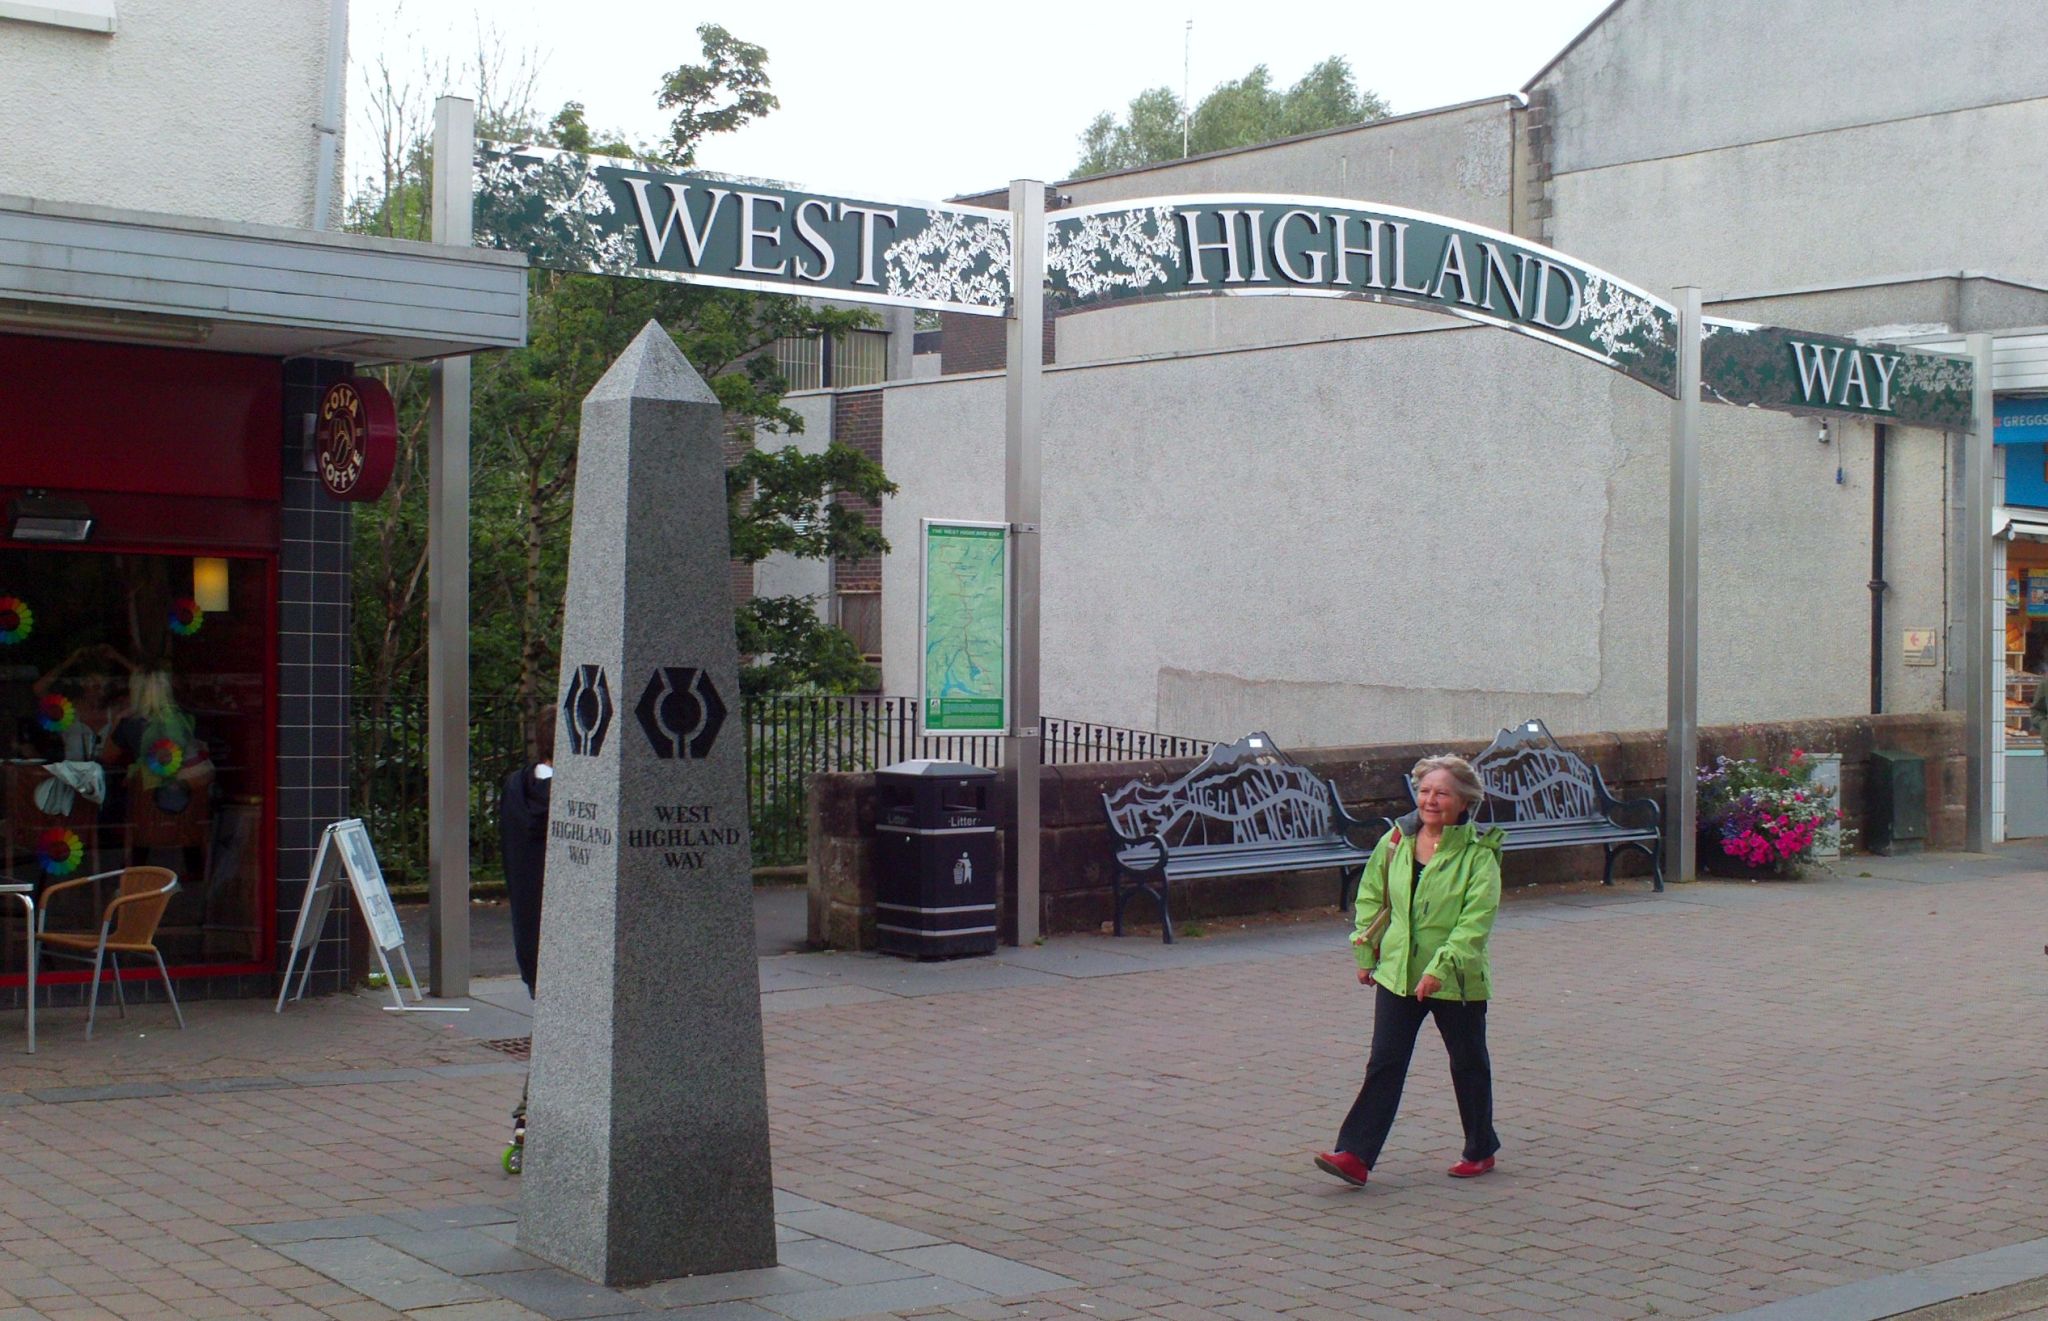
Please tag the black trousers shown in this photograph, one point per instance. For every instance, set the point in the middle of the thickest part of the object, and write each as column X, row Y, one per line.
column 1395, row 1021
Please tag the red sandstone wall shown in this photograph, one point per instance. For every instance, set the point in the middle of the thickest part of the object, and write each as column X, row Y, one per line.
column 1075, row 861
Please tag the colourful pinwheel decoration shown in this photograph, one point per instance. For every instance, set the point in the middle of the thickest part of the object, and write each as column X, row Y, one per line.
column 164, row 757
column 17, row 621
column 56, row 712
column 60, row 850
column 186, row 617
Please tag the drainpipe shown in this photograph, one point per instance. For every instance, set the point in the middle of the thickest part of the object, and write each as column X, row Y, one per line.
column 329, row 124
column 1878, row 586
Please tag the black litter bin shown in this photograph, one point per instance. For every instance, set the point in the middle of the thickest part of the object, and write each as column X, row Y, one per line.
column 935, row 837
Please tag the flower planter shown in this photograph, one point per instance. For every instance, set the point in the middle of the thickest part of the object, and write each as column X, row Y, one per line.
column 1709, row 860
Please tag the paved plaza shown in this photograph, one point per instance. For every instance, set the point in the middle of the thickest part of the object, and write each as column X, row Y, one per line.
column 1810, row 1100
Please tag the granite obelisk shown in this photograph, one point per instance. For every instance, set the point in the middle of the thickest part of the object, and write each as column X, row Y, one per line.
column 647, row 1127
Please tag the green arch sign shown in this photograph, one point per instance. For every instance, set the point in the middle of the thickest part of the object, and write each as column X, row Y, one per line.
column 569, row 211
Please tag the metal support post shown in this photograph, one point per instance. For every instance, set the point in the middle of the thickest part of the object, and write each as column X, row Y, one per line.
column 1682, row 681
column 1021, row 490
column 1983, row 690
column 448, row 588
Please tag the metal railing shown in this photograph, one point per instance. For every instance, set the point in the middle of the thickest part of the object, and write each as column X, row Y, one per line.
column 792, row 737
column 788, row 739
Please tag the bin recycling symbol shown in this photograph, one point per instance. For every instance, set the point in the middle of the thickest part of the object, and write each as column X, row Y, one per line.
column 681, row 712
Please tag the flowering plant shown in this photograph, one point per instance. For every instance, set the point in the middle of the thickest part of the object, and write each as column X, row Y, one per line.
column 1765, row 815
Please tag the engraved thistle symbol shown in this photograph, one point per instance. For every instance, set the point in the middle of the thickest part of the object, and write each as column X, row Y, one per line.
column 588, row 710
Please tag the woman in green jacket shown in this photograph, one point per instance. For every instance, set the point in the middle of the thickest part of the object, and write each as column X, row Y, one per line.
column 1439, row 879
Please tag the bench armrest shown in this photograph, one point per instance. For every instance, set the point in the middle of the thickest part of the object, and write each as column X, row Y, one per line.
column 1347, row 823
column 1617, row 807
column 1144, row 864
column 1611, row 807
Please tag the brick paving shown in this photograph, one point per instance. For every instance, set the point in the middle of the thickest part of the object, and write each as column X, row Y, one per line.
column 1710, row 1102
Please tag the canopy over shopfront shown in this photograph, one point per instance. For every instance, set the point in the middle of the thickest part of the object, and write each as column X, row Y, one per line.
column 173, row 652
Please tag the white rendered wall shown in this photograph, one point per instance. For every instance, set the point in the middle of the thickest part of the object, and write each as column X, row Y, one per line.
column 190, row 107
column 1964, row 190
column 1748, row 144
column 786, row 575
column 1412, row 536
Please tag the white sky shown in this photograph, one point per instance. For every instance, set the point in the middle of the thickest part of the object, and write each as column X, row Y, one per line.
column 926, row 99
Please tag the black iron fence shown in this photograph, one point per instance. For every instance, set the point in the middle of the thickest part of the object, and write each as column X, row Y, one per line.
column 788, row 739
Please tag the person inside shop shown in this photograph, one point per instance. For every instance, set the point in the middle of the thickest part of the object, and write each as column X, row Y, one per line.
column 159, row 773
column 94, row 696
column 1426, row 905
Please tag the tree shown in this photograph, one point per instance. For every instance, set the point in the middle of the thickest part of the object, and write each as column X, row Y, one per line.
column 1240, row 113
column 526, row 407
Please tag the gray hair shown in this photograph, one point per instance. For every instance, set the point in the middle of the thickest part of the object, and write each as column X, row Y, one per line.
column 1463, row 778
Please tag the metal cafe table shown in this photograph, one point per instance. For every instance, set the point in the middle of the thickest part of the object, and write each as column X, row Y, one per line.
column 26, row 892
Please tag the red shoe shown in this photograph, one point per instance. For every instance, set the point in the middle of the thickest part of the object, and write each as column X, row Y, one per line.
column 1470, row 1169
column 1344, row 1165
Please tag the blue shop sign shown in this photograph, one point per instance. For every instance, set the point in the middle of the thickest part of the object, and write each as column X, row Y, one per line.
column 2021, row 426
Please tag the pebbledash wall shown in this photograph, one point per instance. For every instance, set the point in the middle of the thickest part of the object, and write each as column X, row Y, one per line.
column 1348, row 524
column 1077, row 848
column 220, row 101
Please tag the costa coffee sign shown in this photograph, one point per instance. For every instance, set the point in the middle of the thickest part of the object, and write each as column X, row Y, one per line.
column 358, row 438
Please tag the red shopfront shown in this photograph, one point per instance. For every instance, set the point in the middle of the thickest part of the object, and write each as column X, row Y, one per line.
column 143, row 672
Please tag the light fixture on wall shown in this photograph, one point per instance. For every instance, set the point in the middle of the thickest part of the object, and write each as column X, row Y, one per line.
column 210, row 584
column 40, row 516
column 1824, row 437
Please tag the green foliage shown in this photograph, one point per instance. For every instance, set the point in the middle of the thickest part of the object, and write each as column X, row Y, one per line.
column 724, row 92
column 526, row 409
column 1239, row 113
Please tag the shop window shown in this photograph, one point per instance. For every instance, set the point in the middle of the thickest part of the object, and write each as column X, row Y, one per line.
column 134, row 699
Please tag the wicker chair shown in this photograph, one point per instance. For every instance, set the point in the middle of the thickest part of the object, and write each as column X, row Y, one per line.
column 127, row 926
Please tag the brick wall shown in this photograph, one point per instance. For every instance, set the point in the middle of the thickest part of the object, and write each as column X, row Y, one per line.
column 857, row 424
column 737, row 448
column 980, row 343
column 1075, row 843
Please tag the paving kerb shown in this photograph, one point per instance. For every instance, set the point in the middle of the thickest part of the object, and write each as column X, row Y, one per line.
column 1727, row 1099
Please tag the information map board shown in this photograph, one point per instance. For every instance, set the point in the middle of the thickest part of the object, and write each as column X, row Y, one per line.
column 345, row 853
column 965, row 665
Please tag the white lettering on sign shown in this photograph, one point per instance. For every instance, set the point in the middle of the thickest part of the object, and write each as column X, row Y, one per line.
column 759, row 236
column 694, row 236
column 750, row 234
column 1840, row 375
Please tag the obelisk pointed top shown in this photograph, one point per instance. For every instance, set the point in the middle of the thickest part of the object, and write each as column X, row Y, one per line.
column 652, row 367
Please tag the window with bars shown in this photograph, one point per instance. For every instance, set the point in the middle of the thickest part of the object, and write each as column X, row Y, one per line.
column 857, row 357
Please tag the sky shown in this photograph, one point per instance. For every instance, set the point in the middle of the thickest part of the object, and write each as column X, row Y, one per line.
column 920, row 99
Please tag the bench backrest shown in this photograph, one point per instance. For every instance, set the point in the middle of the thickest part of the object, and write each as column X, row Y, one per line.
column 1247, row 792
column 1529, row 778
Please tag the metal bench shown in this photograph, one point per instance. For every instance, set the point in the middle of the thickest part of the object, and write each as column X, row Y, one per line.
column 1544, row 797
column 1247, row 809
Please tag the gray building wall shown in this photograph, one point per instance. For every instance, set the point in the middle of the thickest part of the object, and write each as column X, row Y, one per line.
column 1415, row 536
column 1752, row 144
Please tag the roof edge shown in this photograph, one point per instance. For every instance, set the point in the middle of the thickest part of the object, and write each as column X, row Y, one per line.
column 1572, row 45
column 325, row 238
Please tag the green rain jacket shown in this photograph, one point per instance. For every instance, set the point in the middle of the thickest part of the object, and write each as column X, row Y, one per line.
column 1441, row 928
